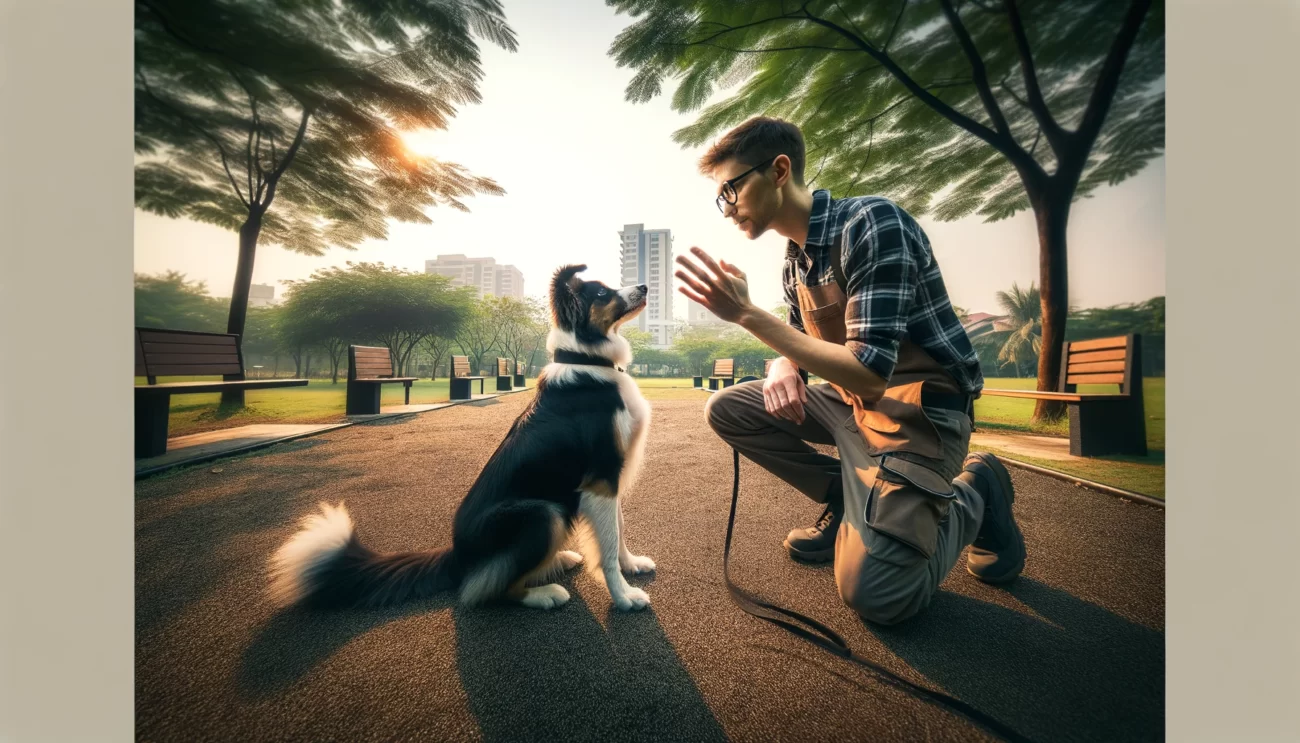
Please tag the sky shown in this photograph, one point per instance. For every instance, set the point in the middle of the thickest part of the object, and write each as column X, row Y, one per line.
column 578, row 162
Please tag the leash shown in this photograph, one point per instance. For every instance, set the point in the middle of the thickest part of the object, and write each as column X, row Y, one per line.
column 827, row 639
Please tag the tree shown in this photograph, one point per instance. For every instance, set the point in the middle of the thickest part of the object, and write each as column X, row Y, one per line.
column 517, row 331
column 239, row 105
column 1021, row 343
column 313, row 316
column 480, row 333
column 438, row 347
column 908, row 98
column 171, row 301
column 697, row 347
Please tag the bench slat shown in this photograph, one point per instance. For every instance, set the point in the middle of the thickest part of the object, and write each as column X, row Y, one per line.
column 202, row 359
column 1093, row 368
column 1091, row 356
column 384, row 380
column 724, row 367
column 192, row 370
column 207, row 349
column 1098, row 344
column 1095, row 379
column 182, row 336
column 184, row 388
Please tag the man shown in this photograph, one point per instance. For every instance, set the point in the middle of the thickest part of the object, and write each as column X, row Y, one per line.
column 868, row 313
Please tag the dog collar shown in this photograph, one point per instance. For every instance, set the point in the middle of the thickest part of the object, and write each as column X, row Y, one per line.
column 572, row 357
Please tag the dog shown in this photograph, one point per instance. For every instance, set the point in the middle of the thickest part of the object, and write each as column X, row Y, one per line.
column 566, row 462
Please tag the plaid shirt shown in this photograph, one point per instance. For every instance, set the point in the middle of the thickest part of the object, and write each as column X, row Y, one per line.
column 894, row 287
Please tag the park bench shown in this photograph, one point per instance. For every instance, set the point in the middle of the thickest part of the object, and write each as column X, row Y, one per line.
column 520, row 370
column 369, row 369
column 461, row 380
column 723, row 374
column 185, row 353
column 1099, row 423
column 504, row 377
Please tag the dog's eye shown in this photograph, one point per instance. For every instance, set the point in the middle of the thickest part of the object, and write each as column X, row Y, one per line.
column 603, row 293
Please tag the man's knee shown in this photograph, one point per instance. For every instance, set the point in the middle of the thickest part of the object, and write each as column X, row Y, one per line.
column 887, row 594
column 723, row 408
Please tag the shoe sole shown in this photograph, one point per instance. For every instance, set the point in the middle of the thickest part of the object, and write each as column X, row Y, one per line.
column 1004, row 480
column 825, row 555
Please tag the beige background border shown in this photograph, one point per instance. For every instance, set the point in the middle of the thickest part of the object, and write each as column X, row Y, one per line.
column 66, row 610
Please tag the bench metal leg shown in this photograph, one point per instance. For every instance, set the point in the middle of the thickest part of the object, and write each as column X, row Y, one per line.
column 151, row 425
column 408, row 392
column 697, row 382
column 460, row 389
column 1101, row 427
column 363, row 399
column 519, row 381
column 503, row 384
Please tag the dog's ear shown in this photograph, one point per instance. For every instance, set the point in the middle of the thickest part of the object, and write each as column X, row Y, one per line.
column 565, row 306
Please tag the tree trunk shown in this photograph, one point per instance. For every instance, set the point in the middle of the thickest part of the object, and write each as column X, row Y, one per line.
column 239, row 294
column 1052, row 211
column 307, row 364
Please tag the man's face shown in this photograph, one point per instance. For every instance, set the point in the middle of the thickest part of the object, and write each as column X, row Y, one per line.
column 756, row 196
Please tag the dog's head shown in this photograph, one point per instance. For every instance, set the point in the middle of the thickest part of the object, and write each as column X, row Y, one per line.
column 589, row 310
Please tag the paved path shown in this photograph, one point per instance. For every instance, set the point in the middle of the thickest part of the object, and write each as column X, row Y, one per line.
column 1073, row 651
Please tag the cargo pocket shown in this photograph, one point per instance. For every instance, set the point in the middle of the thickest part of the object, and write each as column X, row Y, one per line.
column 907, row 503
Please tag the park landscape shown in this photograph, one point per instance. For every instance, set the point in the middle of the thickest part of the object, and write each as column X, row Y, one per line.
column 290, row 126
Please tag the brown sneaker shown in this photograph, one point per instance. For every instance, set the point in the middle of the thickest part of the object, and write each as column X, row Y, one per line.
column 816, row 543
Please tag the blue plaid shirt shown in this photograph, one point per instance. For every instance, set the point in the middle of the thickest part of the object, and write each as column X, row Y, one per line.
column 893, row 285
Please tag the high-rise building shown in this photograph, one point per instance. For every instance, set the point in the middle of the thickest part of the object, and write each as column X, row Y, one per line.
column 697, row 315
column 261, row 295
column 487, row 278
column 648, row 259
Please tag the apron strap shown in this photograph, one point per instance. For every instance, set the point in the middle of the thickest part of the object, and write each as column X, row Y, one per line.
column 838, row 269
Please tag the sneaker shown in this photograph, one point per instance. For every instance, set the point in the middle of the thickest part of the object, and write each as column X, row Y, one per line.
column 816, row 543
column 998, row 553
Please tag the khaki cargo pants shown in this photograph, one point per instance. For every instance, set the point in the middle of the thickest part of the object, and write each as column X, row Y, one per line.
column 906, row 519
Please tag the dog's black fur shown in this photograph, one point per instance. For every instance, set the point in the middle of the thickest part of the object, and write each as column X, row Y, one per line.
column 508, row 529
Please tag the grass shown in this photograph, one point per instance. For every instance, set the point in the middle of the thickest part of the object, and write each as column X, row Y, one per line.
column 324, row 402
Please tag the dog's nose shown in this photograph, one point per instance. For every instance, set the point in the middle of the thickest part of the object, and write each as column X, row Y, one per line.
column 642, row 287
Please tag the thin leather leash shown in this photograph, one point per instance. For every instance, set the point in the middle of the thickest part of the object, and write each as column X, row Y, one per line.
column 827, row 639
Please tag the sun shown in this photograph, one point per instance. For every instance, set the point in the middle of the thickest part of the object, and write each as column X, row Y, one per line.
column 425, row 143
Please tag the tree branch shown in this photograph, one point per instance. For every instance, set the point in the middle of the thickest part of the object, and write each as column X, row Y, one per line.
column 187, row 119
column 890, row 39
column 756, row 51
column 1000, row 143
column 1056, row 136
column 871, row 138
column 293, row 148
column 1108, row 80
column 728, row 29
column 978, row 71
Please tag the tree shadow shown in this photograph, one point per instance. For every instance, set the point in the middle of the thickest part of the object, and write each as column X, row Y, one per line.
column 1076, row 671
column 560, row 675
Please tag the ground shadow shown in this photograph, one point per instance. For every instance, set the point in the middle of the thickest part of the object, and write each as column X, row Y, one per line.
column 295, row 641
column 560, row 675
column 1074, row 672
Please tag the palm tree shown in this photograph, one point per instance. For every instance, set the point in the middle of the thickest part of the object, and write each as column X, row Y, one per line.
column 1019, row 334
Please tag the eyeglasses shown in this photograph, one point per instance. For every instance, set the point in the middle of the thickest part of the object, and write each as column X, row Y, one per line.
column 728, row 194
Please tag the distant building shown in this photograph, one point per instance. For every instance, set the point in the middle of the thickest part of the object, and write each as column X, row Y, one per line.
column 697, row 315
column 647, row 257
column 261, row 295
column 487, row 278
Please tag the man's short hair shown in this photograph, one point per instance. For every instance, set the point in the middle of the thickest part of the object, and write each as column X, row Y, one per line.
column 756, row 141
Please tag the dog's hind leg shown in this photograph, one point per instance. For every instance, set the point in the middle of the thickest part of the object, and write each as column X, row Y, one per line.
column 529, row 534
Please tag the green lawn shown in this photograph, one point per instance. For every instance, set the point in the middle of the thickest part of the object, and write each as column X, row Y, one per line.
column 323, row 402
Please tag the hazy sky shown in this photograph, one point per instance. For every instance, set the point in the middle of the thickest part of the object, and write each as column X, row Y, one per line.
column 578, row 163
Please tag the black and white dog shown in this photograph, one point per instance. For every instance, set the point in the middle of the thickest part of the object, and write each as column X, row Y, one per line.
column 567, row 461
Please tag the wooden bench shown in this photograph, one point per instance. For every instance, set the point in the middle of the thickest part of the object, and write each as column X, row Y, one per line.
column 461, row 380
column 723, row 374
column 520, row 371
column 1100, row 423
column 184, row 353
column 369, row 369
column 504, row 377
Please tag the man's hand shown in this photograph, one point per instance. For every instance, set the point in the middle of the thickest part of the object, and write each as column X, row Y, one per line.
column 784, row 391
column 723, row 290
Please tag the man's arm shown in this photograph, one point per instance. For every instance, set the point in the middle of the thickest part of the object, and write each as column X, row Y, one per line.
column 832, row 362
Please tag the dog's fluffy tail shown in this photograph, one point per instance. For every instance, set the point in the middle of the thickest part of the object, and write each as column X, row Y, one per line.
column 325, row 565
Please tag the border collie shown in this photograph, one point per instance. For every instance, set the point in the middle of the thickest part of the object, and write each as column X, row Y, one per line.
column 567, row 461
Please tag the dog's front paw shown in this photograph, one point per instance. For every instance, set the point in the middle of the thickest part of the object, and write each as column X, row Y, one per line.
column 636, row 564
column 568, row 559
column 550, row 596
column 631, row 599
